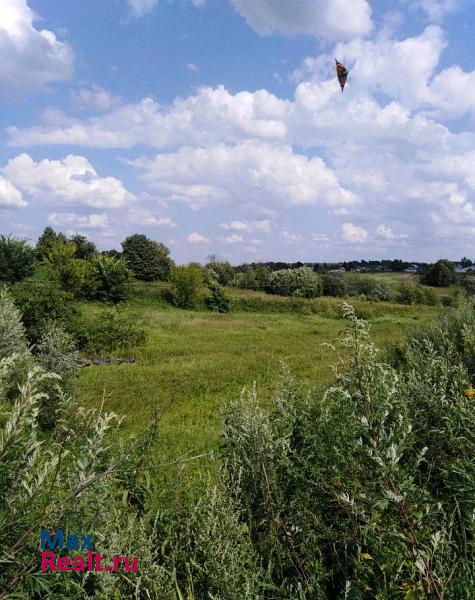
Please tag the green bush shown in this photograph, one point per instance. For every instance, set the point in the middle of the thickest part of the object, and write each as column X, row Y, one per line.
column 148, row 260
column 107, row 279
column 469, row 285
column 108, row 331
column 56, row 353
column 301, row 282
column 441, row 274
column 17, row 259
column 219, row 301
column 219, row 271
column 409, row 293
column 186, row 283
column 40, row 303
column 334, row 285
column 366, row 491
column 64, row 268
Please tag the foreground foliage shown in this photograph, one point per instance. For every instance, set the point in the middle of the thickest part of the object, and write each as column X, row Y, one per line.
column 366, row 491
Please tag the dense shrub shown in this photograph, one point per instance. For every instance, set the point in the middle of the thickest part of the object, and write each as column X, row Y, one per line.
column 253, row 278
column 375, row 477
column 441, row 274
column 13, row 344
column 17, row 259
column 219, row 301
column 302, row 282
column 56, row 353
column 40, row 303
column 469, row 285
column 220, row 271
column 148, row 260
column 108, row 331
column 64, row 268
column 108, row 279
column 334, row 285
column 409, row 293
column 186, row 283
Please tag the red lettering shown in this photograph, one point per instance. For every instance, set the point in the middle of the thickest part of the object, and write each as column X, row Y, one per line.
column 117, row 561
column 47, row 560
column 78, row 563
column 97, row 560
column 64, row 563
column 135, row 564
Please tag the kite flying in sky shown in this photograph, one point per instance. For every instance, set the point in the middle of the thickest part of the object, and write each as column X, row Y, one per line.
column 342, row 74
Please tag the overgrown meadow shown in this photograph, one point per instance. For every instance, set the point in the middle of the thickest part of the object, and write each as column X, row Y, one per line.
column 249, row 434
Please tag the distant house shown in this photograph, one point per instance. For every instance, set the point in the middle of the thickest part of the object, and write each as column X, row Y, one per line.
column 412, row 269
column 339, row 270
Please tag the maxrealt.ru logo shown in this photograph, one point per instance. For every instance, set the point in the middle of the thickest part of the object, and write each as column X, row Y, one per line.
column 92, row 561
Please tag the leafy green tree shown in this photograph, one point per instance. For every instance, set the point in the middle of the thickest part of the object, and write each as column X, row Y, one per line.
column 220, row 271
column 302, row 282
column 108, row 279
column 47, row 240
column 40, row 303
column 63, row 267
column 442, row 274
column 149, row 260
column 186, row 282
column 84, row 248
column 334, row 285
column 17, row 259
column 218, row 301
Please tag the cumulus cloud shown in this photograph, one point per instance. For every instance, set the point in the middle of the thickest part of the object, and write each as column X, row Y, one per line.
column 30, row 58
column 327, row 19
column 248, row 226
column 212, row 115
column 74, row 220
column 353, row 233
column 386, row 233
column 71, row 180
column 248, row 174
column 231, row 239
column 94, row 98
column 10, row 197
column 140, row 216
column 197, row 238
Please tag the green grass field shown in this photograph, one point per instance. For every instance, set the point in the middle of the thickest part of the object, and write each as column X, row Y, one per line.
column 195, row 361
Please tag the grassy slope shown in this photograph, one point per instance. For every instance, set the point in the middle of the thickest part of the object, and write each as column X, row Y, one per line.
column 194, row 361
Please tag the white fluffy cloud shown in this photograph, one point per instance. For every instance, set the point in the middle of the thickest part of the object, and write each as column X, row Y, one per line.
column 231, row 239
column 197, row 238
column 212, row 115
column 399, row 68
column 328, row 19
column 74, row 220
column 353, row 233
column 386, row 233
column 94, row 98
column 30, row 58
column 248, row 174
column 72, row 180
column 10, row 197
column 263, row 226
column 141, row 216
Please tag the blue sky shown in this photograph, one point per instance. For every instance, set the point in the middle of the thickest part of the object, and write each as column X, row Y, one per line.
column 218, row 126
